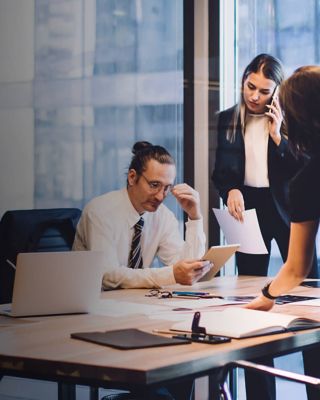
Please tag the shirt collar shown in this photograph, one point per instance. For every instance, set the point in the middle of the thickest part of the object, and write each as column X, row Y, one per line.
column 131, row 213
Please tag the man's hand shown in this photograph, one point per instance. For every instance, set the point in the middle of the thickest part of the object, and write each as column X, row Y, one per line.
column 188, row 272
column 189, row 200
column 235, row 204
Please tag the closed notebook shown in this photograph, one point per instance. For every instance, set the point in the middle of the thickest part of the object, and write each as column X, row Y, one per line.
column 127, row 339
column 241, row 322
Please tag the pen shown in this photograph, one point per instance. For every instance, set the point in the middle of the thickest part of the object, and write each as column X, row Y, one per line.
column 179, row 293
column 203, row 295
column 11, row 264
column 166, row 331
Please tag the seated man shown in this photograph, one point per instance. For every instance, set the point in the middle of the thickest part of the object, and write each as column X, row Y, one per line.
column 132, row 226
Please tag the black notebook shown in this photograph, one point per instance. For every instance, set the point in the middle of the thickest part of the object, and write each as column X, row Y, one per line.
column 127, row 339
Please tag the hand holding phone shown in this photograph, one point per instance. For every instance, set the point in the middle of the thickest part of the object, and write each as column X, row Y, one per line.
column 273, row 97
column 275, row 117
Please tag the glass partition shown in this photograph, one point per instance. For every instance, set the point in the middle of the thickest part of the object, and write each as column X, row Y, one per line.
column 80, row 82
column 107, row 74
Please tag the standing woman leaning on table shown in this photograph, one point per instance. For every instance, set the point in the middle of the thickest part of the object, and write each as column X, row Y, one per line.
column 252, row 170
column 253, row 163
column 300, row 99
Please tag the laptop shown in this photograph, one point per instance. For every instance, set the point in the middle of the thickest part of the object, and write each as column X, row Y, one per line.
column 218, row 255
column 56, row 283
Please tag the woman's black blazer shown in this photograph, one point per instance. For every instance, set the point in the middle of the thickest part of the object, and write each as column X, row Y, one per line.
column 229, row 167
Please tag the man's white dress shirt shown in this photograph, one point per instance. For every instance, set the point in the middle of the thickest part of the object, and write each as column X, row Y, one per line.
column 107, row 223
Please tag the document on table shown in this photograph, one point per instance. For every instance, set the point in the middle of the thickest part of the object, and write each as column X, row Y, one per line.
column 117, row 308
column 181, row 308
column 246, row 233
column 313, row 303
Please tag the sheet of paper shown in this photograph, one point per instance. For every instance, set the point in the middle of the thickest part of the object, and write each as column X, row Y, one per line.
column 170, row 316
column 198, row 304
column 115, row 308
column 313, row 303
column 247, row 233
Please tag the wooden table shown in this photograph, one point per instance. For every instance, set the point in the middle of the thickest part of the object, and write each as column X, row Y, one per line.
column 42, row 348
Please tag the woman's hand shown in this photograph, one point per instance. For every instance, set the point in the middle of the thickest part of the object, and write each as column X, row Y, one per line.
column 235, row 204
column 275, row 120
column 260, row 303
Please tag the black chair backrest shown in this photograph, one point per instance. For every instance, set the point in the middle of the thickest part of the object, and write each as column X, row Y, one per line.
column 25, row 231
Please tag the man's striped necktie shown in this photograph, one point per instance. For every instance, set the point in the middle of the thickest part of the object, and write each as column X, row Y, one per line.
column 135, row 256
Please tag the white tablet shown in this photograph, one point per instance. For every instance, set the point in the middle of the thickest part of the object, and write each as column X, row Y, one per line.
column 218, row 255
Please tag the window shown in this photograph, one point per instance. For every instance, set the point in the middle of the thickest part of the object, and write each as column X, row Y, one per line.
column 114, row 74
column 80, row 82
column 283, row 28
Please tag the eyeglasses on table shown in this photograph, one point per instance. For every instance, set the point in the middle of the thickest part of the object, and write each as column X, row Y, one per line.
column 161, row 294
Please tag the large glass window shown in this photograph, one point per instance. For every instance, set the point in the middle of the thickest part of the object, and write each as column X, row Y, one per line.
column 104, row 74
column 114, row 73
column 284, row 28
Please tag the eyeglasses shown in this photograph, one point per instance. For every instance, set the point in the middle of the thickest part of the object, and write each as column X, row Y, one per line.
column 161, row 294
column 156, row 186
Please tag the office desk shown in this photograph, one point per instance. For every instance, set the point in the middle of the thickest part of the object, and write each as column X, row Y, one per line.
column 43, row 348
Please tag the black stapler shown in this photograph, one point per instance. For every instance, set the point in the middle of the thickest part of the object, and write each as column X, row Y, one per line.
column 199, row 334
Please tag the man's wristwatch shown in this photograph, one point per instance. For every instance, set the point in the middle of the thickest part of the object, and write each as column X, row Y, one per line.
column 265, row 292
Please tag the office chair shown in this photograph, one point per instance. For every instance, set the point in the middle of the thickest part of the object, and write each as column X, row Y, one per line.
column 25, row 231
column 225, row 393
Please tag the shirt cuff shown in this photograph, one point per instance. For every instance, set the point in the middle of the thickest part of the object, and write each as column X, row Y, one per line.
column 195, row 224
column 165, row 276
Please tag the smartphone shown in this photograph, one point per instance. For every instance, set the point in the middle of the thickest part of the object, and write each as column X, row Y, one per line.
column 211, row 339
column 271, row 102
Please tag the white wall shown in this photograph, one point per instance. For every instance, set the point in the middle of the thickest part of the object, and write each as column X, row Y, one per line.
column 16, row 104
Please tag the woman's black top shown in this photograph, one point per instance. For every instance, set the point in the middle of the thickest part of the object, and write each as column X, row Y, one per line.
column 229, row 167
column 304, row 192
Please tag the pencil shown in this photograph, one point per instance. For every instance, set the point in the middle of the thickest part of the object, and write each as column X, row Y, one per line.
column 166, row 331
